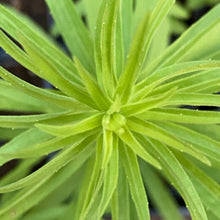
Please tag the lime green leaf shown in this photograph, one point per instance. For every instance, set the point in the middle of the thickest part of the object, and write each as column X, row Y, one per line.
column 91, row 10
column 75, row 128
column 119, row 48
column 135, row 181
column 41, row 94
column 110, row 179
column 202, row 142
column 61, row 160
column 18, row 54
column 16, row 24
column 194, row 82
column 159, row 193
column 32, row 195
column 47, row 213
column 179, row 11
column 128, row 138
column 154, row 131
column 150, row 82
column 126, row 21
column 34, row 149
column 8, row 133
column 178, row 177
column 25, row 121
column 105, row 41
column 133, row 63
column 26, row 139
column 211, row 130
column 52, row 73
column 184, row 44
column 92, row 87
column 182, row 116
column 96, row 182
column 147, row 103
column 194, row 99
column 107, row 147
column 120, row 200
column 66, row 18
column 22, row 169
column 140, row 47
column 13, row 100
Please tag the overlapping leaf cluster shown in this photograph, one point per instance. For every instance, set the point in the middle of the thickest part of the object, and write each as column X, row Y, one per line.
column 115, row 113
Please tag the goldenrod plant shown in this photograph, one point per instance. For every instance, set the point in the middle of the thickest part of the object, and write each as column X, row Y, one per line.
column 118, row 120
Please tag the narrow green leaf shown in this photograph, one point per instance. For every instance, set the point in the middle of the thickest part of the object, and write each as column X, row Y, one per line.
column 25, row 121
column 91, row 10
column 182, row 116
column 202, row 142
column 16, row 52
column 147, row 103
column 140, row 48
column 154, row 131
column 41, row 94
column 118, row 63
column 179, row 48
column 106, row 44
column 47, row 213
column 78, row 40
column 82, row 194
column 8, row 133
column 21, row 142
column 160, row 76
column 34, row 149
column 126, row 20
column 61, row 160
column 13, row 100
column 207, row 188
column 107, row 147
column 159, row 193
column 178, row 177
column 135, row 181
column 133, row 63
column 16, row 24
column 120, row 200
column 92, row 87
column 75, row 128
column 28, row 197
column 50, row 71
column 22, row 169
column 194, row 82
column 211, row 130
column 110, row 179
column 127, row 137
column 96, row 182
column 194, row 99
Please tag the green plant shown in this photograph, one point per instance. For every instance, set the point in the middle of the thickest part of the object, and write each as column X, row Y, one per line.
column 116, row 112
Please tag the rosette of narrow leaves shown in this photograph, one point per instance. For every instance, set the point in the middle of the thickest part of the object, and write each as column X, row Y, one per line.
column 115, row 121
